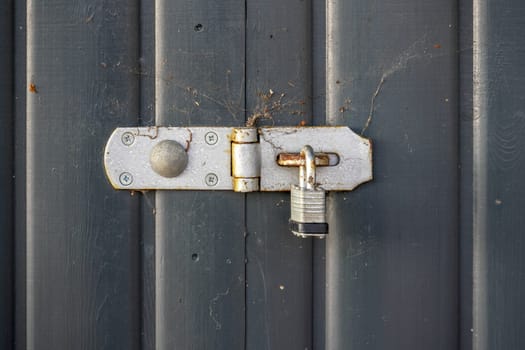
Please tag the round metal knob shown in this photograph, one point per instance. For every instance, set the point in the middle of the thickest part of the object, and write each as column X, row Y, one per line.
column 168, row 158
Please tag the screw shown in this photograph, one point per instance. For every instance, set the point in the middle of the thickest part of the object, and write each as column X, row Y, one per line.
column 125, row 179
column 211, row 138
column 127, row 138
column 211, row 179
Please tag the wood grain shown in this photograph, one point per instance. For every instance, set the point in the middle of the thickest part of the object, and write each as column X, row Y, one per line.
column 199, row 75
column 6, row 174
column 391, row 258
column 279, row 268
column 499, row 165
column 82, row 247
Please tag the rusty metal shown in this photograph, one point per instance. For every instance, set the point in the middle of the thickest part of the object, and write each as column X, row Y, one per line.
column 295, row 159
column 246, row 159
column 307, row 170
column 244, row 135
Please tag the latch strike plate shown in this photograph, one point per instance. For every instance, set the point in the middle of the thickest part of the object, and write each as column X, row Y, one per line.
column 239, row 159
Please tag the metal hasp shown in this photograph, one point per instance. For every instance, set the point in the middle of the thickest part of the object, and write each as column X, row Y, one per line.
column 239, row 159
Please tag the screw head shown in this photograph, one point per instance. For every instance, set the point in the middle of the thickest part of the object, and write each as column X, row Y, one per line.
column 211, row 179
column 125, row 179
column 127, row 138
column 211, row 138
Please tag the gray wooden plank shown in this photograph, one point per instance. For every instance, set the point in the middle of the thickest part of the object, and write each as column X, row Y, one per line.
column 199, row 235
column 147, row 199
column 319, row 118
column 499, row 165
column 6, row 174
column 82, row 236
column 147, row 273
column 279, row 269
column 20, row 91
column 392, row 249
column 466, row 167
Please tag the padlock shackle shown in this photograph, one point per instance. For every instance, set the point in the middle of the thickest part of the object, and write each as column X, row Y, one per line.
column 307, row 171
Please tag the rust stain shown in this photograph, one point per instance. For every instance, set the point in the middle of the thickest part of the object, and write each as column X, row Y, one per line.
column 32, row 88
column 188, row 141
column 311, row 180
column 152, row 137
column 295, row 159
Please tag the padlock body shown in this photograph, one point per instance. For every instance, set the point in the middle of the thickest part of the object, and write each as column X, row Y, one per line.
column 308, row 212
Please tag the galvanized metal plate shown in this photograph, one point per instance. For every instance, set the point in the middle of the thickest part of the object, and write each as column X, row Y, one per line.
column 209, row 157
column 127, row 153
column 354, row 151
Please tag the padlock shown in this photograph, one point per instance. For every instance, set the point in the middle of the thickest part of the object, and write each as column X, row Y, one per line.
column 308, row 205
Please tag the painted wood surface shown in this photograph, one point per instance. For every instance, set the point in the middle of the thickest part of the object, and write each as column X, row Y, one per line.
column 391, row 258
column 429, row 255
column 81, row 253
column 6, row 174
column 279, row 265
column 199, row 236
column 499, row 165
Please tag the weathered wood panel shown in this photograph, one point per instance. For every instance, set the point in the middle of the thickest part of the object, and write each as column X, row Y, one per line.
column 199, row 235
column 392, row 250
column 147, row 201
column 6, row 174
column 99, row 269
column 82, row 252
column 279, row 268
column 499, row 165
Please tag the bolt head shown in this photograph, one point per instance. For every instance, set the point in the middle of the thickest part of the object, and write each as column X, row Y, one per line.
column 168, row 158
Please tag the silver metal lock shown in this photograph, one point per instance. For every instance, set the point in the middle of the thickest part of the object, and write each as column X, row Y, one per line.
column 307, row 202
